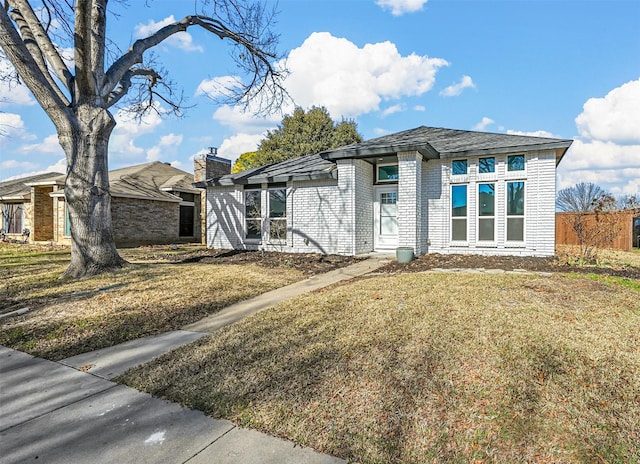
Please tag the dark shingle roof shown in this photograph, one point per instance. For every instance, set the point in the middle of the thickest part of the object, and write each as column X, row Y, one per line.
column 15, row 189
column 309, row 167
column 431, row 142
column 434, row 142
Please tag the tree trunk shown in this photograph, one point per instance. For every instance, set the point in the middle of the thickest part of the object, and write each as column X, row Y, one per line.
column 86, row 144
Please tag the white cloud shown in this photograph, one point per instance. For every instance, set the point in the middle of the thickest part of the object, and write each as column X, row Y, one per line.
column 122, row 145
column 615, row 117
column 419, row 108
column 238, row 144
column 456, row 89
column 11, row 92
column 181, row 40
column 393, row 109
column 165, row 147
column 400, row 7
column 607, row 152
column 15, row 164
column 538, row 133
column 218, row 86
column 482, row 125
column 348, row 80
column 49, row 145
column 244, row 121
column 11, row 128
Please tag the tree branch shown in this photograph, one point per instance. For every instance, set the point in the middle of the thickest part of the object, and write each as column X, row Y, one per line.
column 98, row 40
column 44, row 43
column 17, row 52
column 85, row 83
column 126, row 82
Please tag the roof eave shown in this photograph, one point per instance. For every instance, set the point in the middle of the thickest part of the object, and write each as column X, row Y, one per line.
column 427, row 151
column 559, row 145
column 222, row 182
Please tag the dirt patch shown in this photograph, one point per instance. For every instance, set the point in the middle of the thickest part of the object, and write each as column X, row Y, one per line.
column 507, row 263
column 307, row 263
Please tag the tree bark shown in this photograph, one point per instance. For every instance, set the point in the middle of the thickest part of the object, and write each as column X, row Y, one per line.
column 85, row 140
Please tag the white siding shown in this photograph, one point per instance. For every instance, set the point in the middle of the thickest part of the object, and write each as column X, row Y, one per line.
column 225, row 217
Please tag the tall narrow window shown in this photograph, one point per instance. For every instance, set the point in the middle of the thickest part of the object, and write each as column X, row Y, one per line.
column 486, row 212
column 67, row 221
column 486, row 165
column 515, row 211
column 278, row 214
column 187, row 215
column 253, row 214
column 13, row 213
column 459, row 212
column 389, row 213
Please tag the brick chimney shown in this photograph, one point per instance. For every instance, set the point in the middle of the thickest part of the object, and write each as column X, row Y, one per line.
column 210, row 165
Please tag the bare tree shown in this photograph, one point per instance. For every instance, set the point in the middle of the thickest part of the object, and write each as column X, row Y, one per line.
column 78, row 101
column 580, row 197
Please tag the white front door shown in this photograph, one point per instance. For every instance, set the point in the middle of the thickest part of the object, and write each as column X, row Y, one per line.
column 386, row 218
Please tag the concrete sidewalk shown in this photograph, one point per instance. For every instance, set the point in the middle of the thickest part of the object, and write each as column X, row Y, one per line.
column 70, row 412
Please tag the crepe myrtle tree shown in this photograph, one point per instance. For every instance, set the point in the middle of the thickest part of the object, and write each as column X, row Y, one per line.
column 79, row 100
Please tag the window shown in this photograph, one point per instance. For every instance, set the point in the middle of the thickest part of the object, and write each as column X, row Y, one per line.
column 13, row 213
column 190, row 197
column 515, row 163
column 459, row 212
column 387, row 173
column 486, row 212
column 459, row 167
column 278, row 214
column 388, row 213
column 515, row 211
column 186, row 221
column 486, row 165
column 253, row 214
column 67, row 221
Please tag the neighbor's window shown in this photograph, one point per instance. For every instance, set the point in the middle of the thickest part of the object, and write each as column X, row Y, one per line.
column 67, row 221
column 13, row 213
column 253, row 214
column 515, row 211
column 486, row 165
column 278, row 214
column 387, row 173
column 459, row 212
column 459, row 167
column 515, row 163
column 186, row 225
column 486, row 212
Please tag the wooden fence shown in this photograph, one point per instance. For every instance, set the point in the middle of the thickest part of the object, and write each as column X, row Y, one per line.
column 626, row 239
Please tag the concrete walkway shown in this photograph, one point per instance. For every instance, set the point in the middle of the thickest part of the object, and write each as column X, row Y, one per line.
column 70, row 412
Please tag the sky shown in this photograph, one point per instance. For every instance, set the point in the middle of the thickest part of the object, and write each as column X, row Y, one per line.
column 553, row 68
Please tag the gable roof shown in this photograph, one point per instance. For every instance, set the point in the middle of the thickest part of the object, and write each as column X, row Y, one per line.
column 309, row 167
column 435, row 142
column 149, row 181
column 19, row 189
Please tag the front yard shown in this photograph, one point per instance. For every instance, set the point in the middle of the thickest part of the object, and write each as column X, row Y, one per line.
column 399, row 367
column 163, row 289
column 415, row 368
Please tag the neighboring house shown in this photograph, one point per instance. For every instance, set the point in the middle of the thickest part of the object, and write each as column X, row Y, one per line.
column 430, row 189
column 152, row 203
column 27, row 206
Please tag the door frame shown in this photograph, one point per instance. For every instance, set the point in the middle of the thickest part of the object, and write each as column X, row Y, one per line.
column 382, row 242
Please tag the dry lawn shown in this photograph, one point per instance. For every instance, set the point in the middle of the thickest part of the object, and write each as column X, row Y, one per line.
column 145, row 298
column 426, row 367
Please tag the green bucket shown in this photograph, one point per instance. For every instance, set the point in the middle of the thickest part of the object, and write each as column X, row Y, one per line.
column 404, row 254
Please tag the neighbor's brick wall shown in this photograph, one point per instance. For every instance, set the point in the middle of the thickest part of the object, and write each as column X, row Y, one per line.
column 140, row 222
column 42, row 222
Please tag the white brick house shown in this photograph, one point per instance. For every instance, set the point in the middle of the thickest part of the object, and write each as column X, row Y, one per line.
column 430, row 189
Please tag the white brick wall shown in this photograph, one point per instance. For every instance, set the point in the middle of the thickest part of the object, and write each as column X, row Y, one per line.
column 364, row 207
column 225, row 217
column 410, row 200
column 539, row 178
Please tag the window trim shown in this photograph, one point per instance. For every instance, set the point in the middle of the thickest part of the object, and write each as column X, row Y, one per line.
column 482, row 242
column 453, row 241
column 247, row 239
column 515, row 243
column 281, row 218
